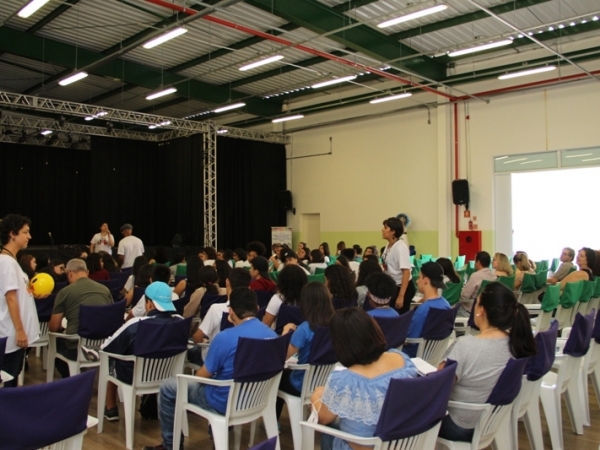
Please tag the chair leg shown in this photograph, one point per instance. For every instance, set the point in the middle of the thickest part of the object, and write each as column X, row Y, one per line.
column 50, row 362
column 129, row 413
column 101, row 403
column 252, row 433
column 237, row 437
column 574, row 405
column 270, row 420
column 533, row 425
column 296, row 413
column 584, row 398
column 551, row 404
column 45, row 357
column 220, row 436
column 308, row 437
column 595, row 375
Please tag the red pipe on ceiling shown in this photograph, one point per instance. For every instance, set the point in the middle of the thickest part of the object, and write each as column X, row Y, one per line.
column 301, row 47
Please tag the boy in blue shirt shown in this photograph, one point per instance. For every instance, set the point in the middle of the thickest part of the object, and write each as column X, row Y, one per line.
column 381, row 287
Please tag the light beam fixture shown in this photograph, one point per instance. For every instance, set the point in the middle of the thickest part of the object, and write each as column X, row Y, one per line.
column 523, row 73
column 334, row 81
column 390, row 98
column 73, row 78
column 262, row 62
column 286, row 118
column 165, row 37
column 229, row 107
column 412, row 16
column 480, row 48
column 161, row 93
column 31, row 7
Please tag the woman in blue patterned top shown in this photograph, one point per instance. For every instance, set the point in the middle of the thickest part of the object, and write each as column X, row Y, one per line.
column 355, row 395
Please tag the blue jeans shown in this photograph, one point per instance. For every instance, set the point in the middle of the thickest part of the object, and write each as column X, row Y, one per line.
column 166, row 407
column 12, row 365
column 449, row 430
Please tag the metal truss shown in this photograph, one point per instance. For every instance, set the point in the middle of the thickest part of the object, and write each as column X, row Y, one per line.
column 36, row 140
column 210, row 185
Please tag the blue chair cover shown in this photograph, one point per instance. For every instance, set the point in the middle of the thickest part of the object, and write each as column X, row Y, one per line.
column 225, row 323
column 99, row 322
column 414, row 405
column 439, row 324
column 509, row 384
column 44, row 308
column 581, row 335
column 33, row 417
column 2, row 351
column 58, row 286
column 259, row 359
column 269, row 444
column 161, row 339
column 395, row 329
column 339, row 303
column 178, row 278
column 541, row 363
column 287, row 314
column 263, row 297
column 261, row 313
column 321, row 348
column 128, row 271
column 208, row 300
column 180, row 304
column 116, row 283
column 471, row 321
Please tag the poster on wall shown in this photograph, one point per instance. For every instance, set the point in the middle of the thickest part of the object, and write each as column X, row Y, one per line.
column 281, row 235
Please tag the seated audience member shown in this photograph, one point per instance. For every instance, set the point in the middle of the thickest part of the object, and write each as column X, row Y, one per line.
column 259, row 271
column 586, row 261
column 324, row 247
column 211, row 324
column 82, row 253
column 218, row 364
column 290, row 282
column 340, row 283
column 109, row 262
column 360, row 346
column 131, row 279
column 343, row 261
column 317, row 261
column 28, row 265
column 350, row 254
column 276, row 249
column 288, row 257
column 208, row 255
column 56, row 269
column 160, row 256
column 142, row 281
column 505, row 333
column 450, row 275
column 370, row 250
column 359, row 251
column 81, row 291
column 178, row 260
column 160, row 273
column 254, row 249
column 228, row 256
column 240, row 258
column 185, row 288
column 223, row 269
column 96, row 268
column 471, row 287
column 367, row 267
column 501, row 265
column 429, row 283
column 566, row 266
column 209, row 284
column 158, row 306
column 304, row 256
column 340, row 246
column 523, row 265
column 317, row 310
column 380, row 290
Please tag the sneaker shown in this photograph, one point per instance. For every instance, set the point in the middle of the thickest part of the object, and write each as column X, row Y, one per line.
column 112, row 414
column 90, row 354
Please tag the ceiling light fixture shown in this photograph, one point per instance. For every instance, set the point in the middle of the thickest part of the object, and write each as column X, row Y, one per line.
column 73, row 78
column 31, row 7
column 262, row 62
column 46, row 132
column 411, row 16
column 334, row 81
column 390, row 98
column 165, row 37
column 161, row 93
column 480, row 48
column 523, row 73
column 286, row 118
column 229, row 107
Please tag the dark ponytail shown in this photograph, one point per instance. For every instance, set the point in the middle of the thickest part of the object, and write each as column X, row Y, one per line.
column 505, row 313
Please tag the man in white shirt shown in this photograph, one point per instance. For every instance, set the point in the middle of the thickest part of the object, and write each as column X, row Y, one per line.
column 471, row 288
column 130, row 247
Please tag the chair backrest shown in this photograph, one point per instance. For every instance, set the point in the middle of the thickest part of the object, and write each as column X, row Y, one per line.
column 116, row 283
column 260, row 314
column 320, row 277
column 596, row 330
column 452, row 293
column 460, row 262
column 288, row 314
column 529, row 283
column 540, row 364
column 551, row 298
column 439, row 323
column 263, row 297
column 259, row 359
column 425, row 258
column 35, row 416
column 225, row 323
column 181, row 270
column 484, row 283
column 509, row 384
column 540, row 279
column 137, row 294
column 45, row 307
column 321, row 348
column 319, row 270
column 2, row 351
column 596, row 288
column 471, row 321
column 395, row 329
column 571, row 294
column 339, row 303
column 555, row 264
column 414, row 405
column 269, row 444
column 579, row 340
column 208, row 300
column 587, row 290
column 100, row 322
column 58, row 286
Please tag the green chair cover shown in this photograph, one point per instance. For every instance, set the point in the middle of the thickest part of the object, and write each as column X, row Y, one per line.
column 452, row 292
column 319, row 270
column 571, row 294
column 426, row 258
column 541, row 279
column 587, row 291
column 317, row 277
column 529, row 284
column 555, row 264
column 509, row 282
column 597, row 288
column 551, row 298
column 274, row 275
column 459, row 262
column 181, row 270
column 484, row 283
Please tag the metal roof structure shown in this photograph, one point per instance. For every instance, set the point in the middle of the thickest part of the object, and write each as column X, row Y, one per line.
column 318, row 39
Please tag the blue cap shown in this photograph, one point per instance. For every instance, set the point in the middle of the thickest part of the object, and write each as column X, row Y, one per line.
column 160, row 294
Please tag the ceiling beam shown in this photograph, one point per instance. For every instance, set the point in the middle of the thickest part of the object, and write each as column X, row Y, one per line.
column 51, row 16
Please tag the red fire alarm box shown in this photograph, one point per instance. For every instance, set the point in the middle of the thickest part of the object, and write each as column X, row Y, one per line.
column 469, row 243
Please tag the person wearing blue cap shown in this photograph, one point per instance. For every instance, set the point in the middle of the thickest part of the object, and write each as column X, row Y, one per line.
column 159, row 306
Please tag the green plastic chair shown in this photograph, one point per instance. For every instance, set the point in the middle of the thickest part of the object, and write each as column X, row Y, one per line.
column 319, row 270
column 541, row 279
column 550, row 302
column 587, row 290
column 317, row 277
column 568, row 304
column 470, row 268
column 572, row 269
column 426, row 258
column 529, row 284
column 418, row 264
column 509, row 282
column 452, row 293
column 541, row 265
column 594, row 303
column 274, row 275
column 597, row 289
column 459, row 262
column 555, row 264
column 332, row 260
column 181, row 270
column 484, row 283
column 461, row 273
column 412, row 260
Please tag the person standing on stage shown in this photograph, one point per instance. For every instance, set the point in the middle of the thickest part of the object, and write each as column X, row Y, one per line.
column 396, row 262
column 130, row 247
column 103, row 241
column 18, row 315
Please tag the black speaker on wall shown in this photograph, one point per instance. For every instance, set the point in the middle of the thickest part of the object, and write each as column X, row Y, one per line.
column 460, row 192
column 285, row 201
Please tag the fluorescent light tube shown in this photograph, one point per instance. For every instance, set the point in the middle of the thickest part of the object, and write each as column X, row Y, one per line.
column 161, row 93
column 286, row 118
column 165, row 37
column 73, row 78
column 480, row 48
column 228, row 107
column 223, row 131
column 262, row 62
column 389, row 98
column 31, row 7
column 523, row 73
column 88, row 118
column 411, row 16
column 334, row 81
column 46, row 132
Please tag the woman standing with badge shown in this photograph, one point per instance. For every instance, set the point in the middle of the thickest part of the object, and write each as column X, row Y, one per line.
column 396, row 263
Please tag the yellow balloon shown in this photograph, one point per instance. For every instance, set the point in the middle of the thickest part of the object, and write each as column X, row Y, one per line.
column 41, row 284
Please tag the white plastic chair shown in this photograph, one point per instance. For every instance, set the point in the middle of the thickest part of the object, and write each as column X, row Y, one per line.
column 160, row 349
column 566, row 381
column 437, row 334
column 252, row 393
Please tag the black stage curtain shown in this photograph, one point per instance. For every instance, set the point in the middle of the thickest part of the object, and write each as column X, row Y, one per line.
column 250, row 175
column 51, row 186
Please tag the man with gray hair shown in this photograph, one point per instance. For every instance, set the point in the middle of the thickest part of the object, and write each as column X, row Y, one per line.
column 566, row 266
column 81, row 291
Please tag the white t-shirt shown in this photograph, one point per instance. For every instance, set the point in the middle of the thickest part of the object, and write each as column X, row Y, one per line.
column 130, row 247
column 354, row 266
column 102, row 243
column 130, row 283
column 242, row 264
column 274, row 305
column 13, row 278
column 313, row 266
column 211, row 324
column 282, row 265
column 139, row 310
column 395, row 259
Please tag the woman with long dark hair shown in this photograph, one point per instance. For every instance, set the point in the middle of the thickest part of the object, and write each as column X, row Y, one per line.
column 586, row 261
column 505, row 333
column 192, row 281
column 290, row 282
column 366, row 268
column 28, row 264
column 209, row 284
column 324, row 247
column 450, row 274
column 96, row 269
column 340, row 282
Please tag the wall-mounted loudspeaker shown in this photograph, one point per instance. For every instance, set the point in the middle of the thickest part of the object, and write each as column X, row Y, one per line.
column 460, row 192
column 285, row 201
